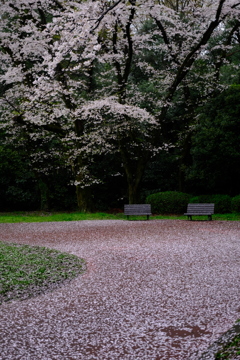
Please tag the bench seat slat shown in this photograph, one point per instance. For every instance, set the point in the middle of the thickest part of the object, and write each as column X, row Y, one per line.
column 200, row 210
column 137, row 209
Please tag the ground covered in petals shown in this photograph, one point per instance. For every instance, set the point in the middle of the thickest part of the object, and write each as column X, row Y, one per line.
column 157, row 289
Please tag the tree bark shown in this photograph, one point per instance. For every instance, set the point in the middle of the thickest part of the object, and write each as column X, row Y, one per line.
column 133, row 192
column 44, row 194
column 185, row 161
column 84, row 195
column 84, row 199
column 134, row 170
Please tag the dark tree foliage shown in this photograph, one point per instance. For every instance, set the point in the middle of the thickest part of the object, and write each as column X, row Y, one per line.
column 21, row 188
column 216, row 147
column 161, row 174
column 18, row 187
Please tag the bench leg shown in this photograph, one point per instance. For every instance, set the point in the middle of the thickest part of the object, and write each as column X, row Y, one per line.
column 147, row 217
column 209, row 217
column 189, row 217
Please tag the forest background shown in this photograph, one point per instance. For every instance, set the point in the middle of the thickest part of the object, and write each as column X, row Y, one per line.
column 104, row 103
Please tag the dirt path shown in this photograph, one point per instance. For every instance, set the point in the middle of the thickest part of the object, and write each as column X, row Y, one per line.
column 157, row 289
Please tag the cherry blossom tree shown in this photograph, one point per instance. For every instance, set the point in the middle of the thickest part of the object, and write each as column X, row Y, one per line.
column 101, row 77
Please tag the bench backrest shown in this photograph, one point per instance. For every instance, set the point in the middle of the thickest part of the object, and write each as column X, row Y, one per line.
column 200, row 208
column 137, row 209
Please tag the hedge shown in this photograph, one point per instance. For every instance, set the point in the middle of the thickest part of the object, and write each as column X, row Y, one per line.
column 235, row 205
column 222, row 202
column 168, row 202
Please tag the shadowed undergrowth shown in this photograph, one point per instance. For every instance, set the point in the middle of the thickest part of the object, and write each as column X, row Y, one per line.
column 231, row 351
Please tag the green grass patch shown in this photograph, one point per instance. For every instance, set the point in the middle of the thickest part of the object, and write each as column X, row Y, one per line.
column 39, row 216
column 231, row 350
column 27, row 271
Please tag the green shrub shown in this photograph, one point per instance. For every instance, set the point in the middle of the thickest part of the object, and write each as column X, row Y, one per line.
column 168, row 202
column 222, row 202
column 236, row 204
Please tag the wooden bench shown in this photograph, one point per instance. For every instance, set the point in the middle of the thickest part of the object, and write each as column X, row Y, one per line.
column 137, row 209
column 200, row 210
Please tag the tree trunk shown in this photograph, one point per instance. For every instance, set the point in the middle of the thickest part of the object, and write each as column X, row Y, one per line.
column 44, row 194
column 84, row 199
column 181, row 178
column 134, row 171
column 133, row 192
column 84, row 195
column 185, row 161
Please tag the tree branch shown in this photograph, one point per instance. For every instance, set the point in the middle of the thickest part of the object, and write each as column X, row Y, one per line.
column 190, row 58
column 104, row 13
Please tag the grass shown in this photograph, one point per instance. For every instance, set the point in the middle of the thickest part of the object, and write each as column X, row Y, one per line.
column 27, row 271
column 39, row 216
column 230, row 350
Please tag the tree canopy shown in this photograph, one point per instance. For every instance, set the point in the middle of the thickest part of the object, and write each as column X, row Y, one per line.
column 83, row 80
